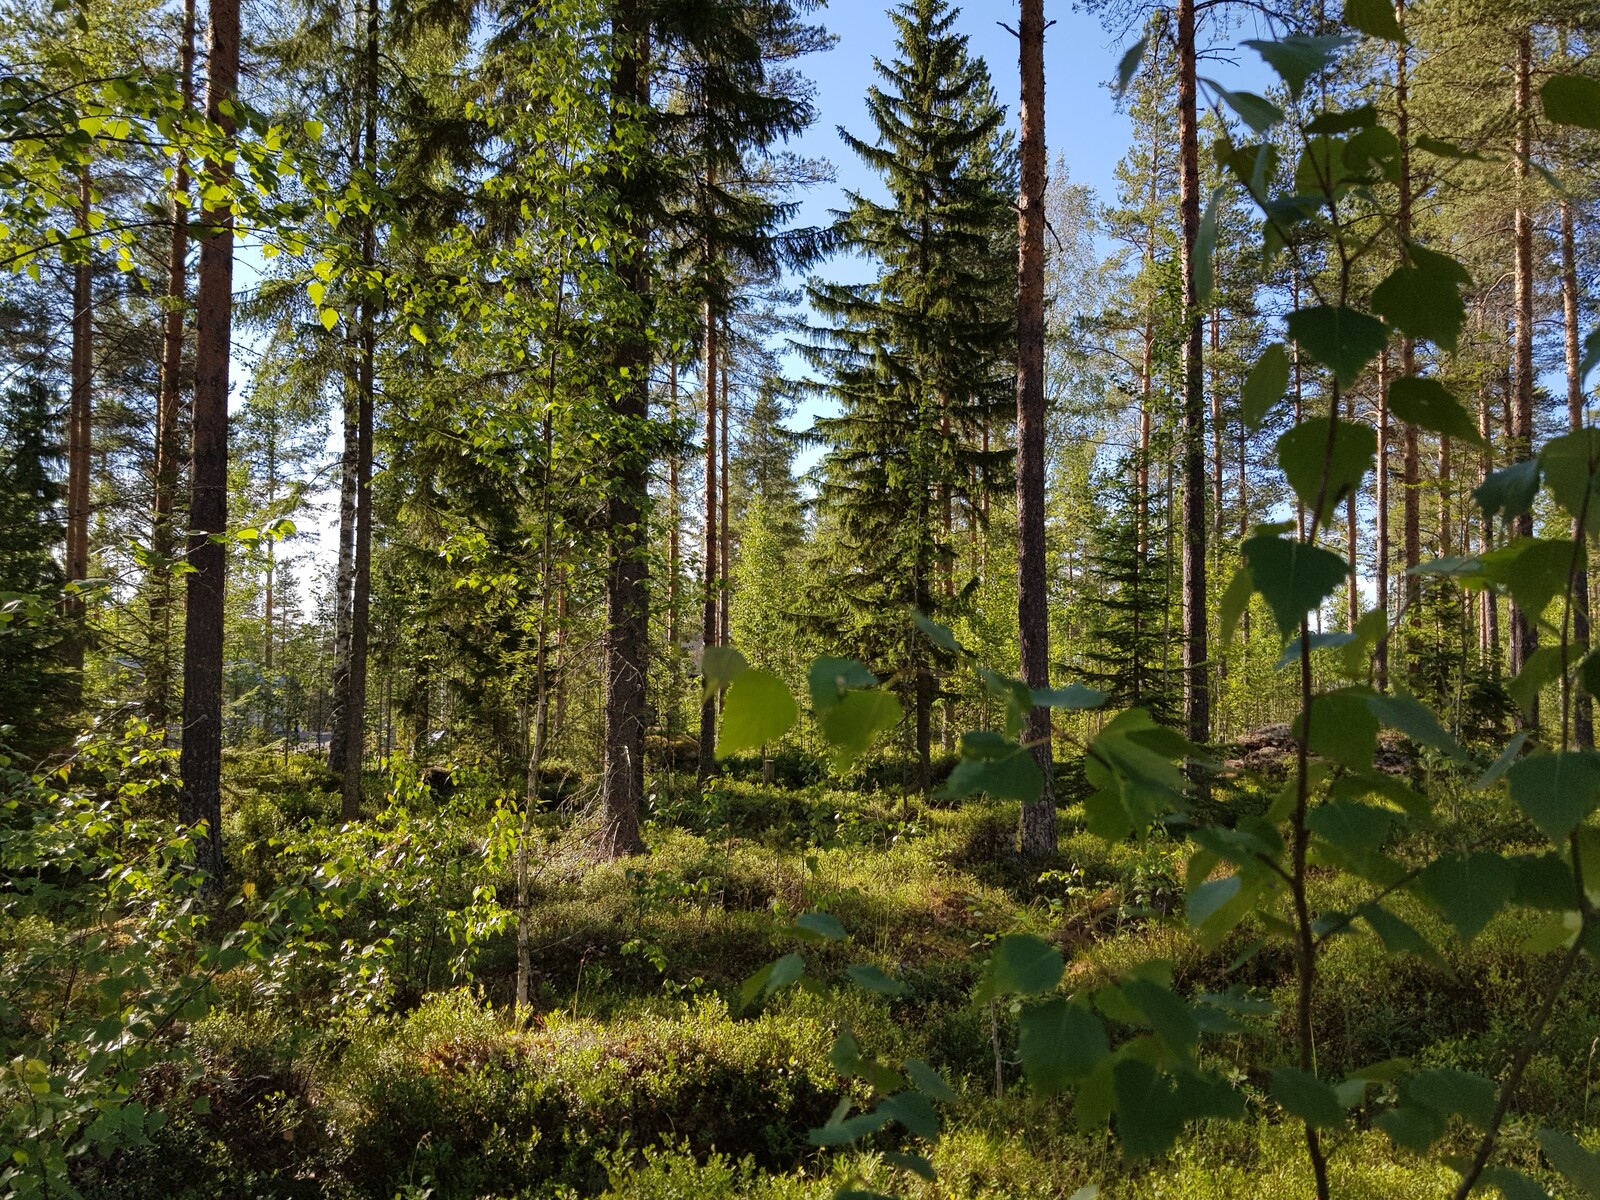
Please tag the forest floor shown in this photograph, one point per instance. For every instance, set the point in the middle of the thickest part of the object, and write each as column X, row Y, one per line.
column 640, row 1072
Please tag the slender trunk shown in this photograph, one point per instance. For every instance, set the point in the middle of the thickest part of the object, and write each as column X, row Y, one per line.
column 200, row 762
column 355, row 725
column 345, row 572
column 169, row 449
column 1217, row 434
column 1352, row 542
column 708, row 631
column 724, row 593
column 627, row 642
column 1411, row 474
column 1380, row 657
column 1583, row 707
column 1488, row 605
column 1038, row 822
column 1196, row 690
column 80, row 424
column 675, row 513
column 1523, row 634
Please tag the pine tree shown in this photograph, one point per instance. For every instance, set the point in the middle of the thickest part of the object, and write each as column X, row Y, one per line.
column 918, row 359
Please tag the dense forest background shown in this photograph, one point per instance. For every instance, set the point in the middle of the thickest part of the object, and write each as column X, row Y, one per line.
column 1185, row 586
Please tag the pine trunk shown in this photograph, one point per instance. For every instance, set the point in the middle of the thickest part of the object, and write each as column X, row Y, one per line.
column 200, row 762
column 1524, row 637
column 1196, row 689
column 1038, row 823
column 713, row 555
column 80, row 423
column 627, row 638
column 1583, row 705
column 1380, row 565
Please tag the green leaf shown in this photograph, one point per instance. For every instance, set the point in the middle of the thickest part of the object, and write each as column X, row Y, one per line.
column 1412, row 1127
column 1423, row 301
column 914, row 1111
column 824, row 925
column 1356, row 830
column 1236, row 602
column 1454, row 1093
column 915, row 1163
column 1572, row 100
column 1589, row 672
column 1304, row 449
column 1591, row 354
column 772, row 978
column 851, row 725
column 1534, row 570
column 1060, row 1043
column 1074, row 696
column 1307, row 1097
column 1343, row 728
column 1129, row 64
column 1292, row 577
column 1168, row 1013
column 1570, row 465
column 1341, row 339
column 313, row 129
column 1016, row 776
column 1022, row 965
column 1567, row 1155
column 1149, row 1117
column 938, row 634
column 875, row 979
column 720, row 666
column 1298, row 57
column 1265, row 385
column 1396, row 710
column 831, row 680
column 1468, row 889
column 1513, row 1185
column 1397, row 935
column 329, row 318
column 1375, row 18
column 929, row 1082
column 850, row 1129
column 1260, row 115
column 1509, row 492
column 1541, row 670
column 1557, row 791
column 758, row 709
column 1428, row 404
column 1502, row 764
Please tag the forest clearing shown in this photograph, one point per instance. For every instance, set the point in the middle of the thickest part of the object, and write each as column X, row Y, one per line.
column 568, row 629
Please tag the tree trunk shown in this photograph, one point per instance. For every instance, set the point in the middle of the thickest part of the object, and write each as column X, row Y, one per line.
column 1524, row 636
column 1583, row 706
column 675, row 501
column 627, row 639
column 200, row 761
column 1411, row 473
column 169, row 407
column 1196, row 689
column 1038, row 823
column 80, row 423
column 355, row 724
column 725, row 592
column 1380, row 654
column 713, row 552
column 344, row 579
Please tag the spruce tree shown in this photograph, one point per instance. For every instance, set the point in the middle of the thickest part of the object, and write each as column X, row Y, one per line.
column 918, row 359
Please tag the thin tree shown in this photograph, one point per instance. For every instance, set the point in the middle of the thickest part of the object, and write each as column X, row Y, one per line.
column 200, row 761
column 1037, row 835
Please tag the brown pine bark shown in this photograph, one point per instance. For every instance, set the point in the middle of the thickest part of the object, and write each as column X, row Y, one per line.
column 169, row 408
column 80, row 423
column 627, row 638
column 1411, row 469
column 355, row 723
column 200, row 760
column 1037, row 835
column 1380, row 656
column 712, row 545
column 724, row 592
column 675, row 500
column 1524, row 637
column 1583, row 704
column 1196, row 687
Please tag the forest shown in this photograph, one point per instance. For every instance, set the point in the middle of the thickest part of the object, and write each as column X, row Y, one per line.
column 557, row 642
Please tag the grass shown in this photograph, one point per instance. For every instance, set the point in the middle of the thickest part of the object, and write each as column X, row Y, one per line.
column 639, row 1073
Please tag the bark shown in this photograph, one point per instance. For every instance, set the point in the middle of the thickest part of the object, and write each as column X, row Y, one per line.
column 675, row 500
column 1524, row 637
column 80, row 424
column 1038, row 822
column 724, row 593
column 712, row 547
column 1380, row 655
column 1411, row 514
column 1488, row 605
column 200, row 761
column 627, row 637
column 1583, row 705
column 1196, row 691
column 355, row 723
column 169, row 405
